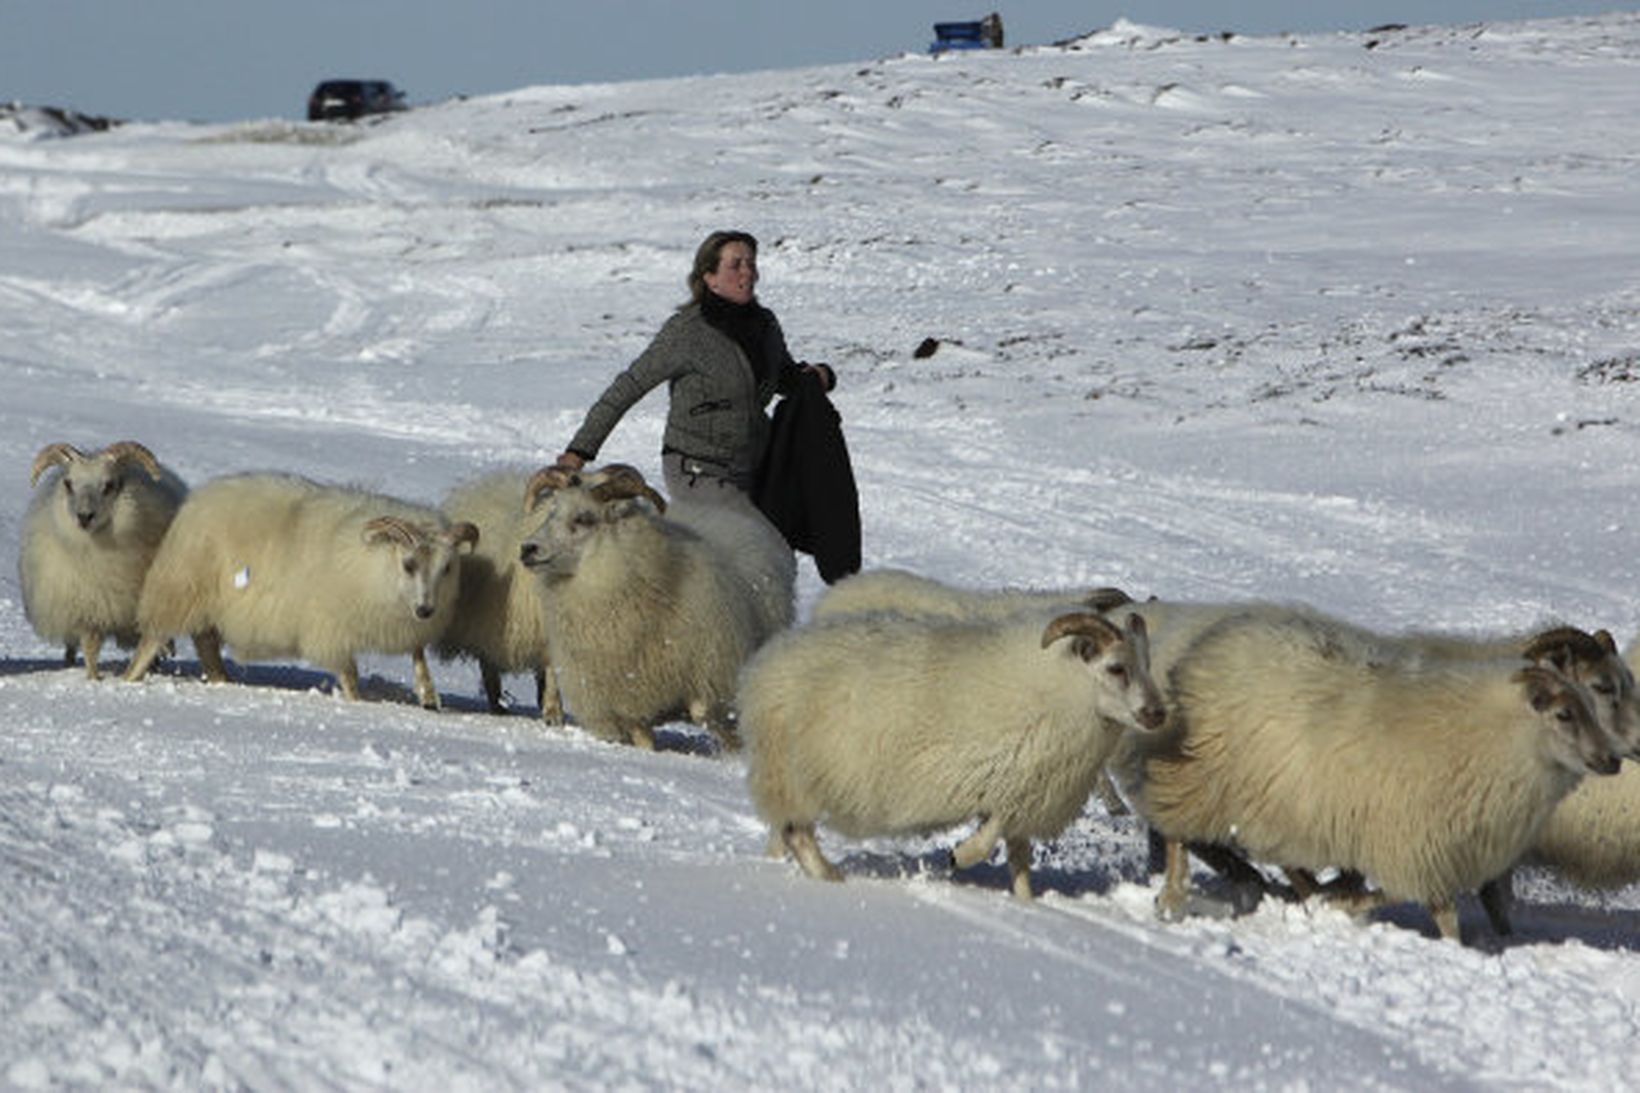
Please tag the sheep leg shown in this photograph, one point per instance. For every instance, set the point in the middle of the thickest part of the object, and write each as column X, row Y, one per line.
column 91, row 645
column 641, row 737
column 720, row 720
column 547, row 696
column 1175, row 893
column 208, row 646
column 805, row 848
column 1105, row 788
column 1019, row 868
column 977, row 847
column 71, row 649
column 492, row 685
column 147, row 650
column 1445, row 913
column 1498, row 900
column 424, row 679
column 347, row 678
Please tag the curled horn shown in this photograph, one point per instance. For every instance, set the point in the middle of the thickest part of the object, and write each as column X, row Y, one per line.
column 1103, row 599
column 396, row 528
column 129, row 451
column 53, row 455
column 546, row 480
column 1081, row 623
column 1566, row 643
column 618, row 481
column 464, row 532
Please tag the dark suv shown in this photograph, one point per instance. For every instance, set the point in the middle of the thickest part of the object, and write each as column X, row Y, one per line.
column 353, row 98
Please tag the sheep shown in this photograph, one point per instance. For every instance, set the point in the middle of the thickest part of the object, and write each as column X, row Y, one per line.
column 1593, row 836
column 885, row 724
column 908, row 593
column 1579, row 838
column 89, row 534
column 499, row 617
column 1313, row 744
column 646, row 618
column 277, row 565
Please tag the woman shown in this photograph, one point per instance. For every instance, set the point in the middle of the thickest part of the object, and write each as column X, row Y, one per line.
column 724, row 358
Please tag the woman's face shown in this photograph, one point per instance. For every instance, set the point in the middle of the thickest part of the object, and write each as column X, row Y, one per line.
column 735, row 278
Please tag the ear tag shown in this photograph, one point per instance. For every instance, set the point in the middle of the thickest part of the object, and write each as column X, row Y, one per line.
column 242, row 579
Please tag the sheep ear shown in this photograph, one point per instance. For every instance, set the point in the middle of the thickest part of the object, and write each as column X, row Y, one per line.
column 1606, row 641
column 465, row 534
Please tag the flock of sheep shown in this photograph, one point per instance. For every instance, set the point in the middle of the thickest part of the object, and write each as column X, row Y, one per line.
column 1366, row 768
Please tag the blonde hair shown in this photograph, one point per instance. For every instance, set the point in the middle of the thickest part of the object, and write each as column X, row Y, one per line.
column 707, row 256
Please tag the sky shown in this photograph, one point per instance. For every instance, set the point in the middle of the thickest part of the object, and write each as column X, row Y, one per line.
column 204, row 60
column 1264, row 319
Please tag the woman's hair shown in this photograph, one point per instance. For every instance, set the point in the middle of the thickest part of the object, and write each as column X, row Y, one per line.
column 707, row 256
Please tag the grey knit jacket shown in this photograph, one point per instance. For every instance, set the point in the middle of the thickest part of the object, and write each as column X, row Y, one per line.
column 717, row 411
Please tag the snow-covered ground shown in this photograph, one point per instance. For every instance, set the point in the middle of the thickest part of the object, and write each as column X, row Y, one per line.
column 1351, row 319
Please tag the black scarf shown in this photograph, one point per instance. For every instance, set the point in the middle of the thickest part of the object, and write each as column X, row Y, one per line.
column 747, row 325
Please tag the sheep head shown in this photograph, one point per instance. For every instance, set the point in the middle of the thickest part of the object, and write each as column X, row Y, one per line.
column 576, row 509
column 426, row 559
column 1573, row 735
column 1594, row 661
column 91, row 484
column 1119, row 660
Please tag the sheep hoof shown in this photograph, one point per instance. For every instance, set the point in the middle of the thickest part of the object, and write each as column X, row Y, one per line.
column 1171, row 906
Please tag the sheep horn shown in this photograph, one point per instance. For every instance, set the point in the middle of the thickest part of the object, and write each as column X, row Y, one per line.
column 1084, row 624
column 396, row 528
column 546, row 480
column 129, row 451
column 53, row 455
column 1103, row 599
column 1565, row 643
column 464, row 532
column 618, row 481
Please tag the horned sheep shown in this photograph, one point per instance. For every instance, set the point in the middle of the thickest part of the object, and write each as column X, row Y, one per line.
column 650, row 614
column 884, row 724
column 1593, row 837
column 1312, row 744
column 89, row 535
column 281, row 566
column 500, row 616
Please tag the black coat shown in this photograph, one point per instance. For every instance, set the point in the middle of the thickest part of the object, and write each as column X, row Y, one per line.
column 806, row 483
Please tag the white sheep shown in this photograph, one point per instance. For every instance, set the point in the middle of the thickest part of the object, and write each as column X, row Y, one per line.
column 909, row 593
column 646, row 618
column 500, row 616
column 88, row 537
column 281, row 566
column 1312, row 744
column 1593, row 836
column 885, row 724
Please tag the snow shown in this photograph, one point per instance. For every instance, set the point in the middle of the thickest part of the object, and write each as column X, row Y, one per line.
column 1347, row 319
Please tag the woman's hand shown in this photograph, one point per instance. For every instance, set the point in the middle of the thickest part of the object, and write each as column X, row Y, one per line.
column 572, row 460
column 828, row 378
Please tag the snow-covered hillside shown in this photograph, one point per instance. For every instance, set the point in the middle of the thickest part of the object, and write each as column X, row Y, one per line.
column 1349, row 319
